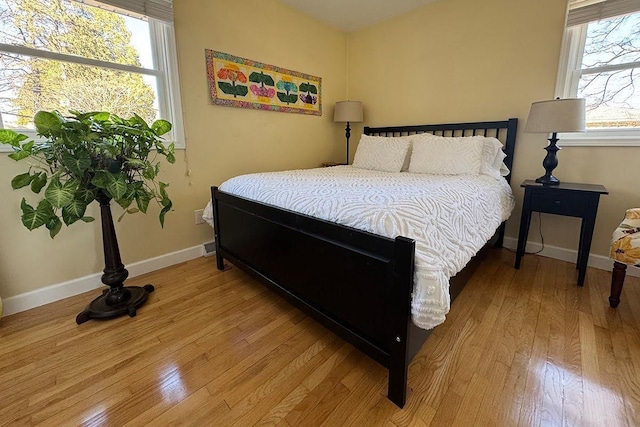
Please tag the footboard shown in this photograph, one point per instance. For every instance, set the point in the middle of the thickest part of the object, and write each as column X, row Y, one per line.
column 356, row 283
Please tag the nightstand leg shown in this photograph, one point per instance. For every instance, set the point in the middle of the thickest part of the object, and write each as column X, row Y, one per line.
column 585, row 244
column 525, row 221
column 580, row 244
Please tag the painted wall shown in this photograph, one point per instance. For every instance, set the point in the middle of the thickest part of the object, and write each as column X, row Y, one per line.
column 468, row 60
column 221, row 142
column 453, row 60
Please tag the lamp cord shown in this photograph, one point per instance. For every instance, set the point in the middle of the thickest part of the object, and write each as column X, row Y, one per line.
column 541, row 239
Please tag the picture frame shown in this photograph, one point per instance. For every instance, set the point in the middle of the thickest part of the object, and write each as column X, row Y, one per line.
column 244, row 83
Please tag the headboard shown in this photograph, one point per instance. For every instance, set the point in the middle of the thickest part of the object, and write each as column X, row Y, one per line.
column 505, row 131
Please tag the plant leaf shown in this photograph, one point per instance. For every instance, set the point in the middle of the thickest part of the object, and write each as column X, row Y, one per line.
column 28, row 146
column 9, row 137
column 22, row 180
column 19, row 155
column 88, row 219
column 85, row 194
column 117, row 185
column 171, row 158
column 77, row 163
column 163, row 212
column 38, row 182
column 73, row 211
column 142, row 200
column 124, row 202
column 34, row 218
column 163, row 192
column 101, row 116
column 160, row 127
column 136, row 163
column 54, row 226
column 47, row 123
column 23, row 152
column 58, row 194
column 149, row 172
column 101, row 179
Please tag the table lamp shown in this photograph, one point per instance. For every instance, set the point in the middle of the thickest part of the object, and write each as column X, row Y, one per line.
column 553, row 116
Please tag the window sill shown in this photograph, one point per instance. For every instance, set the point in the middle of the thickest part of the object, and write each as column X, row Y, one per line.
column 616, row 138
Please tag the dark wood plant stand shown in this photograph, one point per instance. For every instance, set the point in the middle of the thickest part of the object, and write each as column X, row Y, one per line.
column 118, row 299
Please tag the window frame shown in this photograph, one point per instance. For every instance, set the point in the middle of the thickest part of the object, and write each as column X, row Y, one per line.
column 165, row 61
column 569, row 73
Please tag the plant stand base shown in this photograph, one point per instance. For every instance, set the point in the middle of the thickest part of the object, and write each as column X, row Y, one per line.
column 102, row 308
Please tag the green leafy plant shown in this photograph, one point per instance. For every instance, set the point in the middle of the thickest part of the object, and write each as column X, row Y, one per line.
column 86, row 156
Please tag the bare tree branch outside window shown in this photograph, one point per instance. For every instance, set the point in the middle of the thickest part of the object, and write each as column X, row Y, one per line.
column 610, row 70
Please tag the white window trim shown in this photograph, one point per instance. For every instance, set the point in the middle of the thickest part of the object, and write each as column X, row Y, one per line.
column 165, row 60
column 165, row 57
column 569, row 71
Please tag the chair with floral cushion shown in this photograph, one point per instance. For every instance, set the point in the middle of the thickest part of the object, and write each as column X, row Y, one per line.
column 625, row 250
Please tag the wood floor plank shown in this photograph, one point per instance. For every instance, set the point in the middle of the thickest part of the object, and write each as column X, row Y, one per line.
column 531, row 409
column 594, row 403
column 572, row 359
column 520, row 347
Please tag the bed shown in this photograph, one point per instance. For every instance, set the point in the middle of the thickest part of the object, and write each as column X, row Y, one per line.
column 357, row 283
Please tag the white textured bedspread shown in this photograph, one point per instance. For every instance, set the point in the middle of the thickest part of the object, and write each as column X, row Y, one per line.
column 450, row 217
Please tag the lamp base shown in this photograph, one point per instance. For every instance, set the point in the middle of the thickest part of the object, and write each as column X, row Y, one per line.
column 347, row 133
column 550, row 162
column 548, row 180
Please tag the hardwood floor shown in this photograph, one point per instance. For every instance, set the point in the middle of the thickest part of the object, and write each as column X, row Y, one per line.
column 520, row 347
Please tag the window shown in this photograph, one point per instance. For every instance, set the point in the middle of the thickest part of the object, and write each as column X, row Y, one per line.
column 88, row 56
column 600, row 62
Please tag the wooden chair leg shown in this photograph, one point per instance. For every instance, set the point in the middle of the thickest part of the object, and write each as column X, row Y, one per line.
column 617, row 280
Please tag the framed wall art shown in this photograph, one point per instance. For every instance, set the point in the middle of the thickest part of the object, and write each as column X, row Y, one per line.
column 243, row 83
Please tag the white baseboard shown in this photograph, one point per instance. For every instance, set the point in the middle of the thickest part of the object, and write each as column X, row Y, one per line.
column 595, row 261
column 73, row 287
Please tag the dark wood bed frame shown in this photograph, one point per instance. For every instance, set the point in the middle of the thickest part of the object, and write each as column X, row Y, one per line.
column 355, row 283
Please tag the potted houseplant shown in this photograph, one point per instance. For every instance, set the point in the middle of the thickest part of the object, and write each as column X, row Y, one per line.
column 93, row 156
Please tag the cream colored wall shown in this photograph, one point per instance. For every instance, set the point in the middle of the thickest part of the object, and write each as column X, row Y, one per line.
column 453, row 60
column 32, row 260
column 221, row 141
column 469, row 60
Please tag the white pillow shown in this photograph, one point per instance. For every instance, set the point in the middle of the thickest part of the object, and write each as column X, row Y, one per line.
column 407, row 160
column 444, row 155
column 381, row 153
column 492, row 158
column 504, row 170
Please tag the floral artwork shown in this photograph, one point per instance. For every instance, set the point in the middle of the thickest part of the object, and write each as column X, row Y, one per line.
column 243, row 83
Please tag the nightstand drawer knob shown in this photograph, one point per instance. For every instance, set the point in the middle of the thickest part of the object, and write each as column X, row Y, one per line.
column 558, row 202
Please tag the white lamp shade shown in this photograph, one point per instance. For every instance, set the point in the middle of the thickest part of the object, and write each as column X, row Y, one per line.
column 557, row 115
column 348, row 111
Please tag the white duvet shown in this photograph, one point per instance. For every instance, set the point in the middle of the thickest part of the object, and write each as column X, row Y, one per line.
column 450, row 217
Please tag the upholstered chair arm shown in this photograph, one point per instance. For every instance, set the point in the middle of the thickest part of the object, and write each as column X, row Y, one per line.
column 625, row 242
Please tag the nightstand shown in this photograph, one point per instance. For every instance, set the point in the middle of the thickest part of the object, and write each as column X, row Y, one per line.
column 329, row 164
column 567, row 199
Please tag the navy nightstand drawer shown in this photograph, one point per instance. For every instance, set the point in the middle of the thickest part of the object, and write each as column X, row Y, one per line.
column 566, row 203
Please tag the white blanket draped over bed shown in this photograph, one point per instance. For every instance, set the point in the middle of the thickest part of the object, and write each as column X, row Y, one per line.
column 450, row 217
